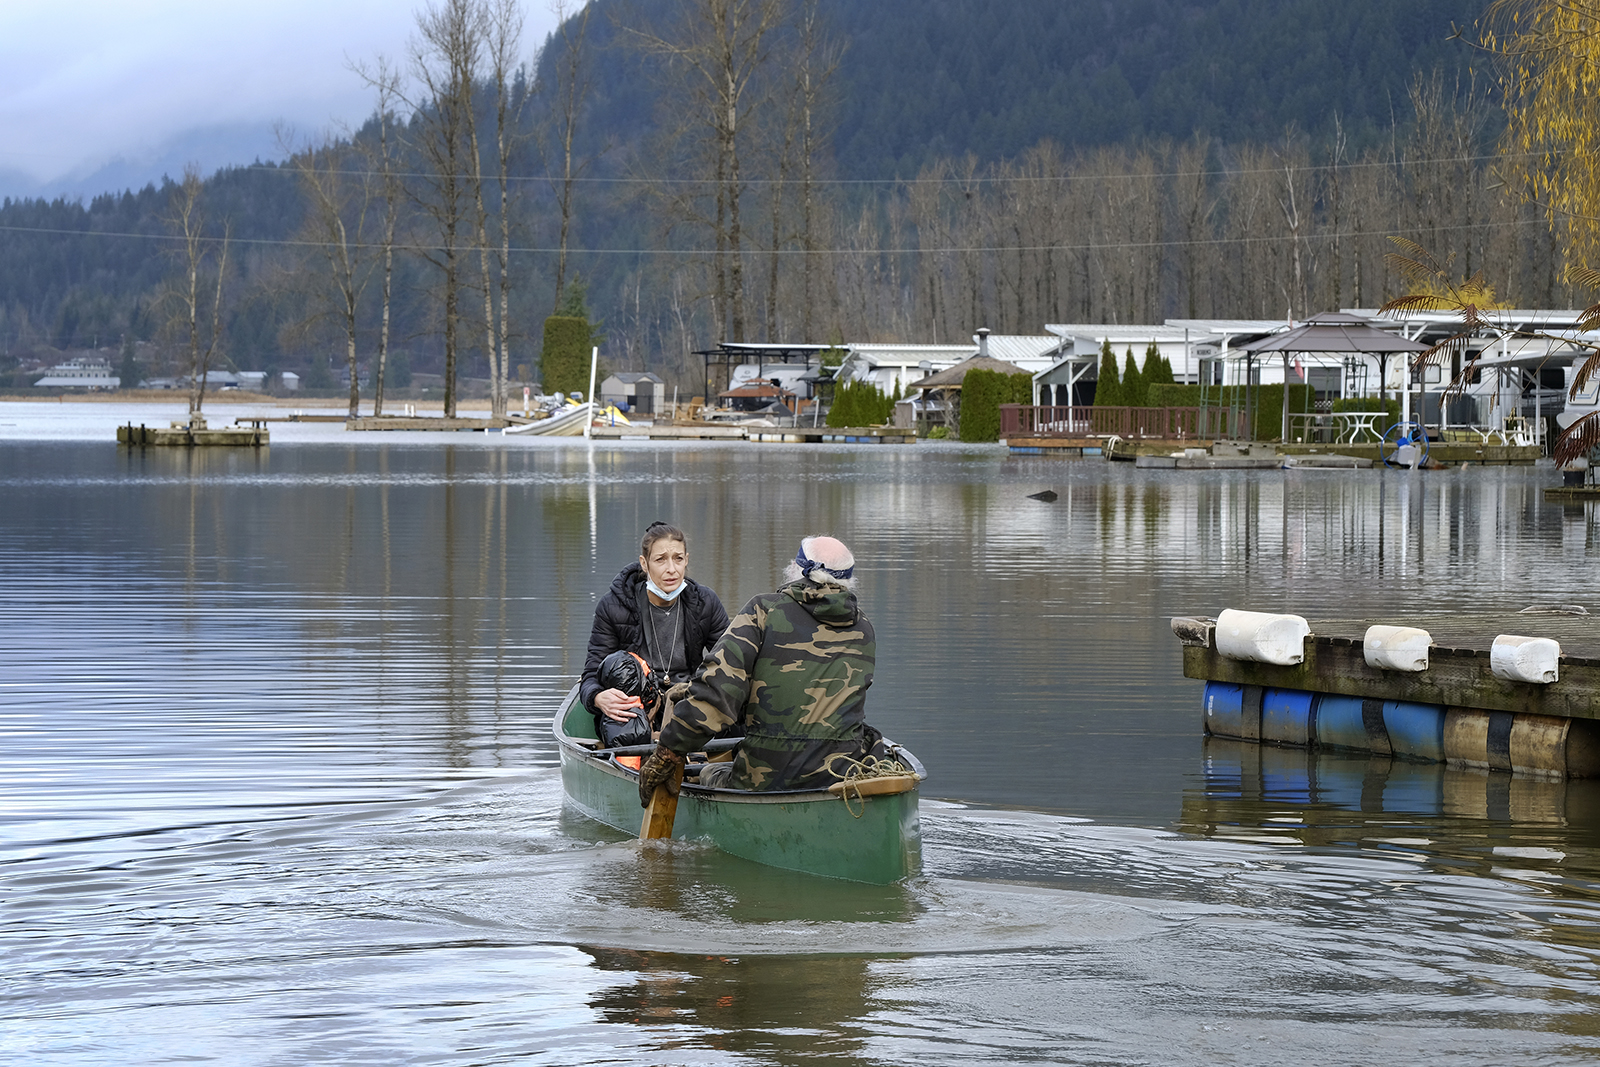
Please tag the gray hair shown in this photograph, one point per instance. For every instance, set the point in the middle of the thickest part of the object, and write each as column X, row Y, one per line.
column 832, row 563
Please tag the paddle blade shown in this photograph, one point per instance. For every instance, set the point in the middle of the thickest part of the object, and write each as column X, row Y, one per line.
column 663, row 809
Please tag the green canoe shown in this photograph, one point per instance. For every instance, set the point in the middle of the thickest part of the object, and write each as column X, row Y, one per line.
column 873, row 838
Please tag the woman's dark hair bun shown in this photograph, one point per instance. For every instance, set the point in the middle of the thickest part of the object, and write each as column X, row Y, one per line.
column 658, row 531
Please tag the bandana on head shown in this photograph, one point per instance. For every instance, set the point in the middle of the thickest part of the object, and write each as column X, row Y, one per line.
column 807, row 565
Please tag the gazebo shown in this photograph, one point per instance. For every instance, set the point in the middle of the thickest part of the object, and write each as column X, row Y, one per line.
column 945, row 386
column 1334, row 332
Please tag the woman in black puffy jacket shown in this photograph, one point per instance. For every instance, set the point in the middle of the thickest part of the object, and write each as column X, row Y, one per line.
column 656, row 610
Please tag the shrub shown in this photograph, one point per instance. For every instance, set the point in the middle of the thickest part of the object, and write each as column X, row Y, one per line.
column 860, row 403
column 982, row 393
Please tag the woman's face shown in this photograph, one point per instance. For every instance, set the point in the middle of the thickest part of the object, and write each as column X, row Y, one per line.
column 666, row 564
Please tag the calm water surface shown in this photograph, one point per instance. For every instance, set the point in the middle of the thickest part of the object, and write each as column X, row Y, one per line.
column 277, row 784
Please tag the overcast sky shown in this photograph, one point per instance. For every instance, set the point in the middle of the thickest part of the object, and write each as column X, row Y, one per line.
column 84, row 83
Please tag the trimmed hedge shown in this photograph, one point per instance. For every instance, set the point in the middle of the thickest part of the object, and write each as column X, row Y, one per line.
column 1268, row 398
column 564, row 359
column 982, row 393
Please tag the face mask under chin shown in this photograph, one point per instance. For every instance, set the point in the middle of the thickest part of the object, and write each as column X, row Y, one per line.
column 662, row 593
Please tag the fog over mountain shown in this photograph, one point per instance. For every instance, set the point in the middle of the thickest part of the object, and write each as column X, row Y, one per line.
column 210, row 148
column 102, row 95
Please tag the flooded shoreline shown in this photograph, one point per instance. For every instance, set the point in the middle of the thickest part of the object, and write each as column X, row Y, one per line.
column 279, row 781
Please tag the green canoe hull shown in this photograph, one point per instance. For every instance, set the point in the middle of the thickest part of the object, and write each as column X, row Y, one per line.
column 873, row 839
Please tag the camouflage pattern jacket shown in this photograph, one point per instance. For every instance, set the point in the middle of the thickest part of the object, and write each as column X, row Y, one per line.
column 794, row 667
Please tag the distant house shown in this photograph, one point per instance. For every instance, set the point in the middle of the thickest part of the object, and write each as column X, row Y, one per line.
column 291, row 381
column 637, row 391
column 1196, row 349
column 893, row 368
column 79, row 374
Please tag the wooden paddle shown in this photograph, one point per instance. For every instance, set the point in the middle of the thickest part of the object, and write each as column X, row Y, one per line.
column 663, row 809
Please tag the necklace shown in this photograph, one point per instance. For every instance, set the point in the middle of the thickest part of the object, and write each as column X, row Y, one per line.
column 663, row 654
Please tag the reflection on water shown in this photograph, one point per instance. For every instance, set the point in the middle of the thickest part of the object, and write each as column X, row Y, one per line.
column 1459, row 819
column 277, row 773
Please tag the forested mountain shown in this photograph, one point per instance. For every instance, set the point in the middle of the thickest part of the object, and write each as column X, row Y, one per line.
column 923, row 79
column 974, row 162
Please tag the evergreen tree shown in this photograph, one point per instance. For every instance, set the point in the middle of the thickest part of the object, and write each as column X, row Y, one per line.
column 860, row 403
column 1134, row 388
column 1157, row 369
column 564, row 357
column 570, row 338
column 1108, row 389
column 130, row 367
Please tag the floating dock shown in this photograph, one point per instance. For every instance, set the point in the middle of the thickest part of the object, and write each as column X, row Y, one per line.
column 420, row 422
column 1516, row 692
column 1156, row 453
column 866, row 435
column 249, row 433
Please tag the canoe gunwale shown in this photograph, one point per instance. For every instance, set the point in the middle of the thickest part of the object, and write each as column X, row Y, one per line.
column 594, row 758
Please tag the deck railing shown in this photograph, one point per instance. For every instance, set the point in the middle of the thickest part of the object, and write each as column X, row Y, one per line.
column 1026, row 420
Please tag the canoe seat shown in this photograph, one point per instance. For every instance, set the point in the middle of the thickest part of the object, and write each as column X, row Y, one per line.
column 875, row 787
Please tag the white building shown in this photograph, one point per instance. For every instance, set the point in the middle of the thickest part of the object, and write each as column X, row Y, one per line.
column 894, row 367
column 79, row 374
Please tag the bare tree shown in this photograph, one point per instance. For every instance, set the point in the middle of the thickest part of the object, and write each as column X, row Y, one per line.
column 386, row 83
column 444, row 60
column 574, row 77
column 721, row 50
column 339, row 198
column 501, row 23
column 204, row 264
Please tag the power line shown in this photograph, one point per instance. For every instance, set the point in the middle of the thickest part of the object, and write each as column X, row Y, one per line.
column 1088, row 246
column 288, row 168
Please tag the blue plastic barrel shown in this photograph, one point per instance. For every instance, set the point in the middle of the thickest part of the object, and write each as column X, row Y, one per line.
column 1286, row 716
column 1224, row 709
column 1350, row 722
column 1415, row 730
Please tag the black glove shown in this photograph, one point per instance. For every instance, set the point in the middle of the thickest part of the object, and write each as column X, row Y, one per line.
column 664, row 768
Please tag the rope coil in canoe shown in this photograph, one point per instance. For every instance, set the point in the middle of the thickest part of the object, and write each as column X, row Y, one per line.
column 856, row 771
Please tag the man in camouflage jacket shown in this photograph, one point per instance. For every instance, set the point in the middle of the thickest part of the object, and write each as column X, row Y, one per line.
column 793, row 667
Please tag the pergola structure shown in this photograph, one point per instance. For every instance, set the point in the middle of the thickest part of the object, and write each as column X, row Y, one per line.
column 1333, row 333
column 730, row 354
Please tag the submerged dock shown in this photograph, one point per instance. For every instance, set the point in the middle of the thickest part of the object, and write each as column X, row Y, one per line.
column 1514, row 691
